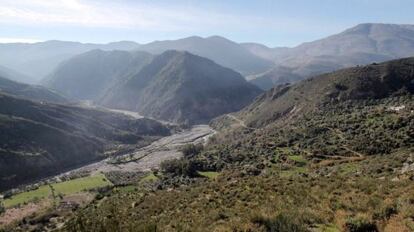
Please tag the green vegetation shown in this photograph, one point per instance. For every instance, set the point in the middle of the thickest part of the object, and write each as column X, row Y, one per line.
column 332, row 159
column 298, row 159
column 149, row 178
column 210, row 175
column 65, row 188
column 2, row 208
column 70, row 136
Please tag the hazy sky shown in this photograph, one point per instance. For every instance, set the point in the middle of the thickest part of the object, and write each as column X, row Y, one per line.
column 274, row 23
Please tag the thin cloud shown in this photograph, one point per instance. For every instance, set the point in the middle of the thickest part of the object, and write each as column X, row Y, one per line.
column 137, row 15
column 18, row 40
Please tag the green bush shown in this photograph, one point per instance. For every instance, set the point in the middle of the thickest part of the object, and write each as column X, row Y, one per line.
column 179, row 167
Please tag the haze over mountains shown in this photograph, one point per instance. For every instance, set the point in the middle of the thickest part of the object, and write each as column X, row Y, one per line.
column 263, row 66
column 221, row 50
column 39, row 59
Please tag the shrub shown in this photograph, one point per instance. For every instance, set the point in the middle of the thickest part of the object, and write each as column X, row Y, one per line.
column 360, row 225
column 282, row 222
column 179, row 167
column 2, row 208
column 191, row 150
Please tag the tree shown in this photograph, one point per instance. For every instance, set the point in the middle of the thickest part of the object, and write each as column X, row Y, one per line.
column 52, row 189
column 2, row 208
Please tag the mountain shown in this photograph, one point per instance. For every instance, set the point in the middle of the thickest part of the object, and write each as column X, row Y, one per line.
column 182, row 87
column 221, row 50
column 265, row 52
column 32, row 92
column 374, row 81
column 14, row 75
column 89, row 75
column 331, row 153
column 38, row 59
column 41, row 139
column 275, row 76
column 360, row 45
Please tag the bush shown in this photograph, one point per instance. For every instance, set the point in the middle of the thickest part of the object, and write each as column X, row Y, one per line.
column 2, row 208
column 360, row 225
column 179, row 167
column 190, row 150
column 282, row 222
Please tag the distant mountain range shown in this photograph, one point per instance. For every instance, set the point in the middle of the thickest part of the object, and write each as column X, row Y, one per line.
column 174, row 86
column 221, row 50
column 39, row 59
column 363, row 44
column 263, row 66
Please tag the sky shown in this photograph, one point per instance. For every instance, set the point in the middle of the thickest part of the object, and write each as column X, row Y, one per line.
column 271, row 22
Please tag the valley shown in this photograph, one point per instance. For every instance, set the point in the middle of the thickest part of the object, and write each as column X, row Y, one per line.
column 141, row 162
column 139, row 116
column 150, row 157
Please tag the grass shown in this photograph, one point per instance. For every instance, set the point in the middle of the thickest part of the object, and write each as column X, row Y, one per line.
column 210, row 175
column 149, row 178
column 65, row 188
column 127, row 189
column 293, row 171
column 328, row 228
column 298, row 159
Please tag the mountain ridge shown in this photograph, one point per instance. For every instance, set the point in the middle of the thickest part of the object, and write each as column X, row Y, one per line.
column 182, row 87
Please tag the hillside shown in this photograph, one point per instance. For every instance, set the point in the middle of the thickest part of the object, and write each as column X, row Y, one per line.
column 40, row 139
column 32, row 92
column 221, row 50
column 181, row 87
column 369, row 82
column 39, row 59
column 360, row 45
column 332, row 153
column 89, row 75
column 14, row 75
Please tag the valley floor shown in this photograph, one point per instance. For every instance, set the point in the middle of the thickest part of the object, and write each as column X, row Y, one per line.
column 138, row 162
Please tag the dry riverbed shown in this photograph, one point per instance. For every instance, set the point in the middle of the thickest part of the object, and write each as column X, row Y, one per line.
column 151, row 156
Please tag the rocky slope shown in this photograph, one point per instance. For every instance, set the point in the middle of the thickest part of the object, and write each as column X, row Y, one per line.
column 369, row 82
